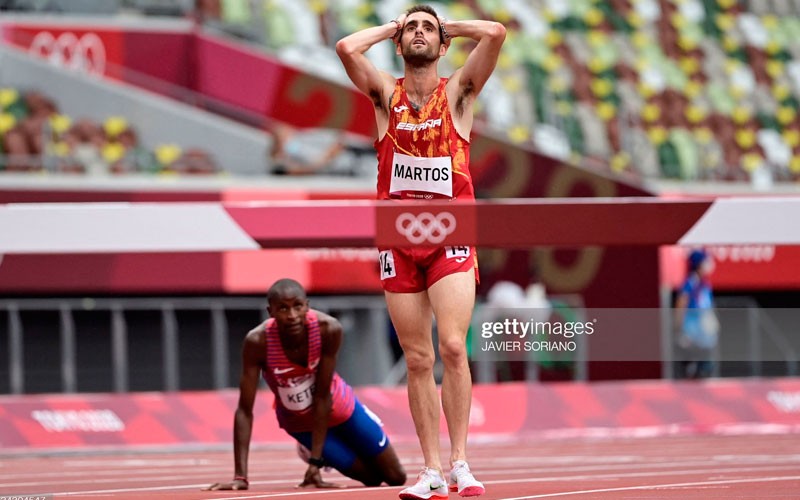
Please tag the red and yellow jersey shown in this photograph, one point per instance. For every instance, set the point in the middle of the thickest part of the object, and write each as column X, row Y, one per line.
column 422, row 156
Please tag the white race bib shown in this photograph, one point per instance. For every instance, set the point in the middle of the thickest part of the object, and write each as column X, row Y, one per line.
column 299, row 394
column 427, row 175
column 457, row 253
column 386, row 261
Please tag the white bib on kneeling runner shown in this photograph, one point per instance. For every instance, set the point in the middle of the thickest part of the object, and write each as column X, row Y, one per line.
column 299, row 394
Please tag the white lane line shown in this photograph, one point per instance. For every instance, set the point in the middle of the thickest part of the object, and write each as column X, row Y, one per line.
column 300, row 493
column 137, row 474
column 588, row 477
column 266, row 472
column 547, row 473
column 659, row 486
column 198, row 486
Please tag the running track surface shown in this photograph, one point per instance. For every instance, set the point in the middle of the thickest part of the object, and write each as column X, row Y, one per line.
column 705, row 467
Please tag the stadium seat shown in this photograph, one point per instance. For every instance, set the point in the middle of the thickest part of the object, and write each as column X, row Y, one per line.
column 593, row 131
column 687, row 151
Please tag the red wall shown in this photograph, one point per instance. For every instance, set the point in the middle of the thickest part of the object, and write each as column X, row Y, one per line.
column 498, row 411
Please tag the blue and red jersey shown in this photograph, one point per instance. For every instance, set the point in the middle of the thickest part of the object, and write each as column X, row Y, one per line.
column 293, row 385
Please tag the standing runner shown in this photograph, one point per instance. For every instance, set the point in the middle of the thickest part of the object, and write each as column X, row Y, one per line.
column 424, row 124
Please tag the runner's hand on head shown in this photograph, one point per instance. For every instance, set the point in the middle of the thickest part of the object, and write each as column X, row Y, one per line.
column 236, row 484
column 445, row 34
column 313, row 479
column 402, row 20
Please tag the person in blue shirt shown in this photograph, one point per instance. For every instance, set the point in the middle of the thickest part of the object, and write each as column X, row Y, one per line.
column 696, row 322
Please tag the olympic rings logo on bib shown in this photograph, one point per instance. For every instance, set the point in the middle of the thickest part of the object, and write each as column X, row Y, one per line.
column 426, row 227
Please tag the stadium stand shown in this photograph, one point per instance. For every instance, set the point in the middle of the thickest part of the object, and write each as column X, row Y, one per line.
column 669, row 89
column 73, row 123
column 672, row 89
column 35, row 136
column 100, row 7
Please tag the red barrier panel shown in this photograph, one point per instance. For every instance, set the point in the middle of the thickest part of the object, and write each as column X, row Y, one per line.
column 143, row 227
column 98, row 50
column 307, row 224
column 499, row 412
column 617, row 222
column 187, row 227
column 108, row 50
column 247, row 79
column 526, row 223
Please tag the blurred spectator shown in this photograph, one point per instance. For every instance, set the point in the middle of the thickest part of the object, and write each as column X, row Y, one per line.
column 126, row 155
column 696, row 323
column 85, row 140
column 25, row 137
column 34, row 136
column 507, row 300
column 207, row 10
column 318, row 151
column 195, row 161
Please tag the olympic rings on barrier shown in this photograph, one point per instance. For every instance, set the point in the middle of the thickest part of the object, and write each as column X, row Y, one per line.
column 86, row 53
column 425, row 226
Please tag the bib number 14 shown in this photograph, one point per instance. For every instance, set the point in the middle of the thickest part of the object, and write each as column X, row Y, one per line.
column 386, row 261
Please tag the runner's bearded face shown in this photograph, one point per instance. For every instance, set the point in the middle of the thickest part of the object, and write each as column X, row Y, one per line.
column 420, row 44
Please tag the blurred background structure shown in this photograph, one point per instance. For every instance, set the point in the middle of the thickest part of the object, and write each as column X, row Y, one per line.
column 210, row 100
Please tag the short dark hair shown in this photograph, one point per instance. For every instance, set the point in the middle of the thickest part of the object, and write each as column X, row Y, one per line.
column 428, row 10
column 696, row 259
column 282, row 286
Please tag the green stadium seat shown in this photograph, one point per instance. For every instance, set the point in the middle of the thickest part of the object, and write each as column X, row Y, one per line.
column 236, row 11
column 721, row 99
column 687, row 153
column 279, row 29
column 668, row 158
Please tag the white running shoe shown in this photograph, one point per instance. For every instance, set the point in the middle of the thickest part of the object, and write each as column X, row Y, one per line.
column 430, row 484
column 462, row 481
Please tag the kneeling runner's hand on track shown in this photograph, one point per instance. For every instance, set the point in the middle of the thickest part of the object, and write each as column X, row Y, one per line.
column 236, row 484
column 313, row 479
